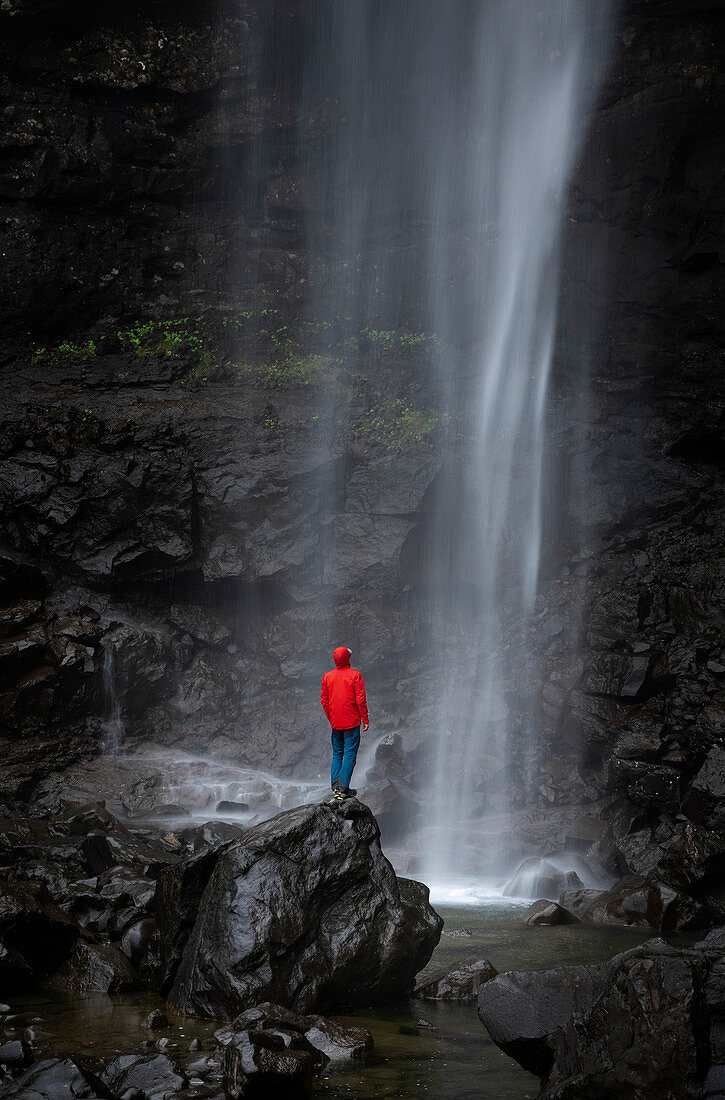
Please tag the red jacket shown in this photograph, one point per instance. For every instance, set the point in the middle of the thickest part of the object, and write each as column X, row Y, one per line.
column 343, row 693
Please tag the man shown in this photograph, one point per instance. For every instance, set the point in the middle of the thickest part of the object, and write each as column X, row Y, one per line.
column 343, row 700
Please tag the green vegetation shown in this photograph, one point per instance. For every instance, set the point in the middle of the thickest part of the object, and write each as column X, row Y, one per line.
column 280, row 354
column 164, row 339
column 76, row 352
column 396, row 426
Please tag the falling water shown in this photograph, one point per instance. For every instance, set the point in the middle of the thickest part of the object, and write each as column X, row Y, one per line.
column 441, row 201
column 113, row 731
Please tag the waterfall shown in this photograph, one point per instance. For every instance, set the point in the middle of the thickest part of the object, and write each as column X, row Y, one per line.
column 113, row 728
column 439, row 202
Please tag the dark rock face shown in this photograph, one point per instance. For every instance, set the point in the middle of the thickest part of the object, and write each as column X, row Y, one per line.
column 635, row 1026
column 305, row 910
column 110, row 116
column 457, row 983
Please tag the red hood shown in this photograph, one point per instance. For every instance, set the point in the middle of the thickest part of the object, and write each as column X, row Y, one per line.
column 342, row 657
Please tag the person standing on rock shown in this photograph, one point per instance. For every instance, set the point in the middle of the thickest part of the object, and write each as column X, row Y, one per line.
column 343, row 701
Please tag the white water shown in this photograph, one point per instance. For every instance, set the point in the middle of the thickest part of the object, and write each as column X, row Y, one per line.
column 113, row 728
column 535, row 69
column 443, row 197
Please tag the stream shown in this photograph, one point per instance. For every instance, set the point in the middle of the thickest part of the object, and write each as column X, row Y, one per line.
column 421, row 1047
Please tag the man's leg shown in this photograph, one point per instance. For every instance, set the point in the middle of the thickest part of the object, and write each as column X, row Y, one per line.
column 352, row 742
column 338, row 744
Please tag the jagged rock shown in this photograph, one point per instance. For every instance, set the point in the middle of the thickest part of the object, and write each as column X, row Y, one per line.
column 457, row 983
column 306, row 909
column 95, row 968
column 153, row 1074
column 537, row 878
column 548, row 912
column 53, row 1078
column 705, row 799
column 179, row 892
column 631, row 1027
column 635, row 900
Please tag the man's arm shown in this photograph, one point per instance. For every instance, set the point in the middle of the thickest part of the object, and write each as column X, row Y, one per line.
column 325, row 698
column 362, row 703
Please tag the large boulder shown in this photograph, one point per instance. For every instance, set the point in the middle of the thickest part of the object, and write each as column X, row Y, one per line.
column 636, row 1026
column 306, row 911
column 637, row 901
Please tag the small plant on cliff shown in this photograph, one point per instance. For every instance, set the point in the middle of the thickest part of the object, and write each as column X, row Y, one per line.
column 395, row 427
column 164, row 339
column 77, row 352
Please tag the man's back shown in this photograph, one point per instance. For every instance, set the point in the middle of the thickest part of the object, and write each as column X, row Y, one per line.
column 343, row 693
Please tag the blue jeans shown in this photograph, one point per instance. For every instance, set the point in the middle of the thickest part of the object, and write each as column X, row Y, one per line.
column 344, row 753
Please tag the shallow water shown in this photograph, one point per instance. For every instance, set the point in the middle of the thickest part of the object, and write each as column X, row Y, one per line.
column 454, row 1058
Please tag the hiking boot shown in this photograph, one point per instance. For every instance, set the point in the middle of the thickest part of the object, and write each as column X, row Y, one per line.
column 351, row 792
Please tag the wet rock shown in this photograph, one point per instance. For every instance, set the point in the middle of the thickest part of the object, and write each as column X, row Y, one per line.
column 179, row 892
column 53, row 1078
column 16, row 1055
column 155, row 1075
column 537, row 878
column 262, row 1064
column 35, row 928
column 630, row 1027
column 520, row 1009
column 456, row 983
column 637, row 901
column 328, row 1040
column 314, row 880
column 576, row 901
column 156, row 1019
column 136, row 939
column 95, row 968
column 227, row 807
column 548, row 912
column 212, row 834
column 646, row 785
